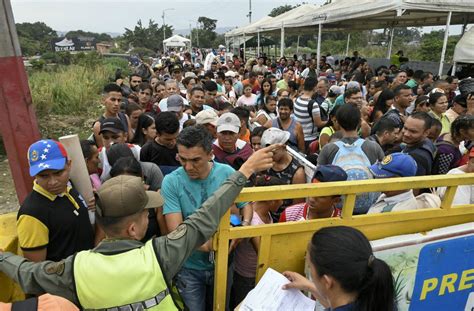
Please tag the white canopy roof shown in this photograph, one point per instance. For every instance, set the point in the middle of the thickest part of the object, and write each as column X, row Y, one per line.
column 464, row 51
column 288, row 17
column 251, row 28
column 376, row 14
column 176, row 40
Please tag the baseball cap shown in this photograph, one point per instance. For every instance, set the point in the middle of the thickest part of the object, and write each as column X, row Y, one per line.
column 190, row 74
column 228, row 122
column 394, row 165
column 353, row 85
column 175, row 103
column 274, row 135
column 46, row 154
column 329, row 173
column 197, row 65
column 176, row 67
column 230, row 74
column 208, row 116
column 125, row 195
column 113, row 125
column 337, row 90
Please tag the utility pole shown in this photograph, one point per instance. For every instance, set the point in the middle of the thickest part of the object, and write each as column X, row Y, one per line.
column 250, row 12
column 164, row 29
column 197, row 34
column 191, row 35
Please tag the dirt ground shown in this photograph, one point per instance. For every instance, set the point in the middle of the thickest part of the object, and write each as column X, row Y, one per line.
column 8, row 199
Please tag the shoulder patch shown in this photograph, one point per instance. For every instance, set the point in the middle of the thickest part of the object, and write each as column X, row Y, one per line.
column 55, row 268
column 177, row 233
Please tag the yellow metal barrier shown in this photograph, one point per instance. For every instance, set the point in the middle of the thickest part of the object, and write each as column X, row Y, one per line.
column 9, row 291
column 283, row 246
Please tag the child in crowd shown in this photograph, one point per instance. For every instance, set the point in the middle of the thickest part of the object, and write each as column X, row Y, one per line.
column 318, row 207
column 91, row 155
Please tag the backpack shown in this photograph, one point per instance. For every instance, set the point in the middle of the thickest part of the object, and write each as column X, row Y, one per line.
column 322, row 112
column 352, row 159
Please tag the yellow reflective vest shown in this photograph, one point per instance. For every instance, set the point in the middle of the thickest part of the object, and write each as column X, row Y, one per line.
column 131, row 278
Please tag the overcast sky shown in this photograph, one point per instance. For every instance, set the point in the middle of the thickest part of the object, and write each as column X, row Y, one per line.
column 114, row 15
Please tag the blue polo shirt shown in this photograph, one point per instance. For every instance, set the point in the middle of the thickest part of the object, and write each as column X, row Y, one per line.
column 185, row 195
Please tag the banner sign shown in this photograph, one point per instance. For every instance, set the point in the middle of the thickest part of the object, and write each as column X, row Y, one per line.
column 433, row 271
column 65, row 44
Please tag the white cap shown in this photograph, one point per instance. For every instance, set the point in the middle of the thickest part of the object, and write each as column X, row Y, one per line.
column 208, row 116
column 274, row 135
column 228, row 122
column 230, row 74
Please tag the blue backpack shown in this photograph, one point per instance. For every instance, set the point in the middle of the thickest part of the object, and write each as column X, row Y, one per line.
column 352, row 159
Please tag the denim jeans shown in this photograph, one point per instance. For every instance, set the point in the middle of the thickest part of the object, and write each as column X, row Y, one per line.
column 196, row 288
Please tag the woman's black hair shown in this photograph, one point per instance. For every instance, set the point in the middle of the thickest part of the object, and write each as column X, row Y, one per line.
column 332, row 114
column 264, row 105
column 144, row 121
column 257, row 132
column 381, row 104
column 345, row 254
column 434, row 96
column 420, row 100
column 86, row 147
column 465, row 123
column 261, row 100
column 117, row 151
column 126, row 165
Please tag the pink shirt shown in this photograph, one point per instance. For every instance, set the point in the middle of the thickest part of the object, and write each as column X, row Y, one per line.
column 245, row 259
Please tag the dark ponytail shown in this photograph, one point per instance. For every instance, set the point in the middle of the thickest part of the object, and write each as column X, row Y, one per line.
column 345, row 254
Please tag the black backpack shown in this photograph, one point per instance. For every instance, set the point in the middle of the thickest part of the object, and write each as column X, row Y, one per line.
column 322, row 112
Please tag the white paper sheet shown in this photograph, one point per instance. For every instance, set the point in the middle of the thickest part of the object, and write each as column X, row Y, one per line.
column 269, row 295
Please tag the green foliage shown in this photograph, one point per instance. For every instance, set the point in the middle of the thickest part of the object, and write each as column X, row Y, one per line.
column 35, row 37
column 432, row 45
column 98, row 36
column 38, row 64
column 281, row 9
column 68, row 90
column 207, row 23
column 90, row 59
column 150, row 37
column 206, row 32
column 142, row 52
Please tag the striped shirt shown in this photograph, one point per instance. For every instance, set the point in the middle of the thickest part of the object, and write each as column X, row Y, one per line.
column 299, row 212
column 310, row 131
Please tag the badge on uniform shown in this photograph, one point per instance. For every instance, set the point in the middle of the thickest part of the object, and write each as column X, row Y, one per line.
column 55, row 268
column 177, row 233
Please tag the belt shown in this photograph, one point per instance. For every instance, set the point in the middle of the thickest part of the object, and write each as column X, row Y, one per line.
column 142, row 305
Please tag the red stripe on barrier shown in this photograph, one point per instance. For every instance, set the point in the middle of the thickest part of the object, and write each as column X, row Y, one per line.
column 17, row 121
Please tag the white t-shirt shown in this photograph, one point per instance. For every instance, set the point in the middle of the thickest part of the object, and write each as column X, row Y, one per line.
column 464, row 194
column 183, row 119
column 247, row 101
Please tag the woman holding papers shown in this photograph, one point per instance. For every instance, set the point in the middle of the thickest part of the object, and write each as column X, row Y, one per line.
column 345, row 274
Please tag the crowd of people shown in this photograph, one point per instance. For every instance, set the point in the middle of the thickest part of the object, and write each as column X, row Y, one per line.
column 184, row 126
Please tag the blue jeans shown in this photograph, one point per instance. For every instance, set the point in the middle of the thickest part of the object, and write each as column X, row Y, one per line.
column 196, row 288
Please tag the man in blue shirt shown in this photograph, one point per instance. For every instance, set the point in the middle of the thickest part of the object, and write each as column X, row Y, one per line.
column 184, row 191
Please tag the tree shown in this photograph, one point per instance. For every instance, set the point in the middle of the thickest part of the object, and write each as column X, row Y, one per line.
column 35, row 37
column 98, row 36
column 207, row 23
column 150, row 37
column 432, row 45
column 206, row 31
column 281, row 9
